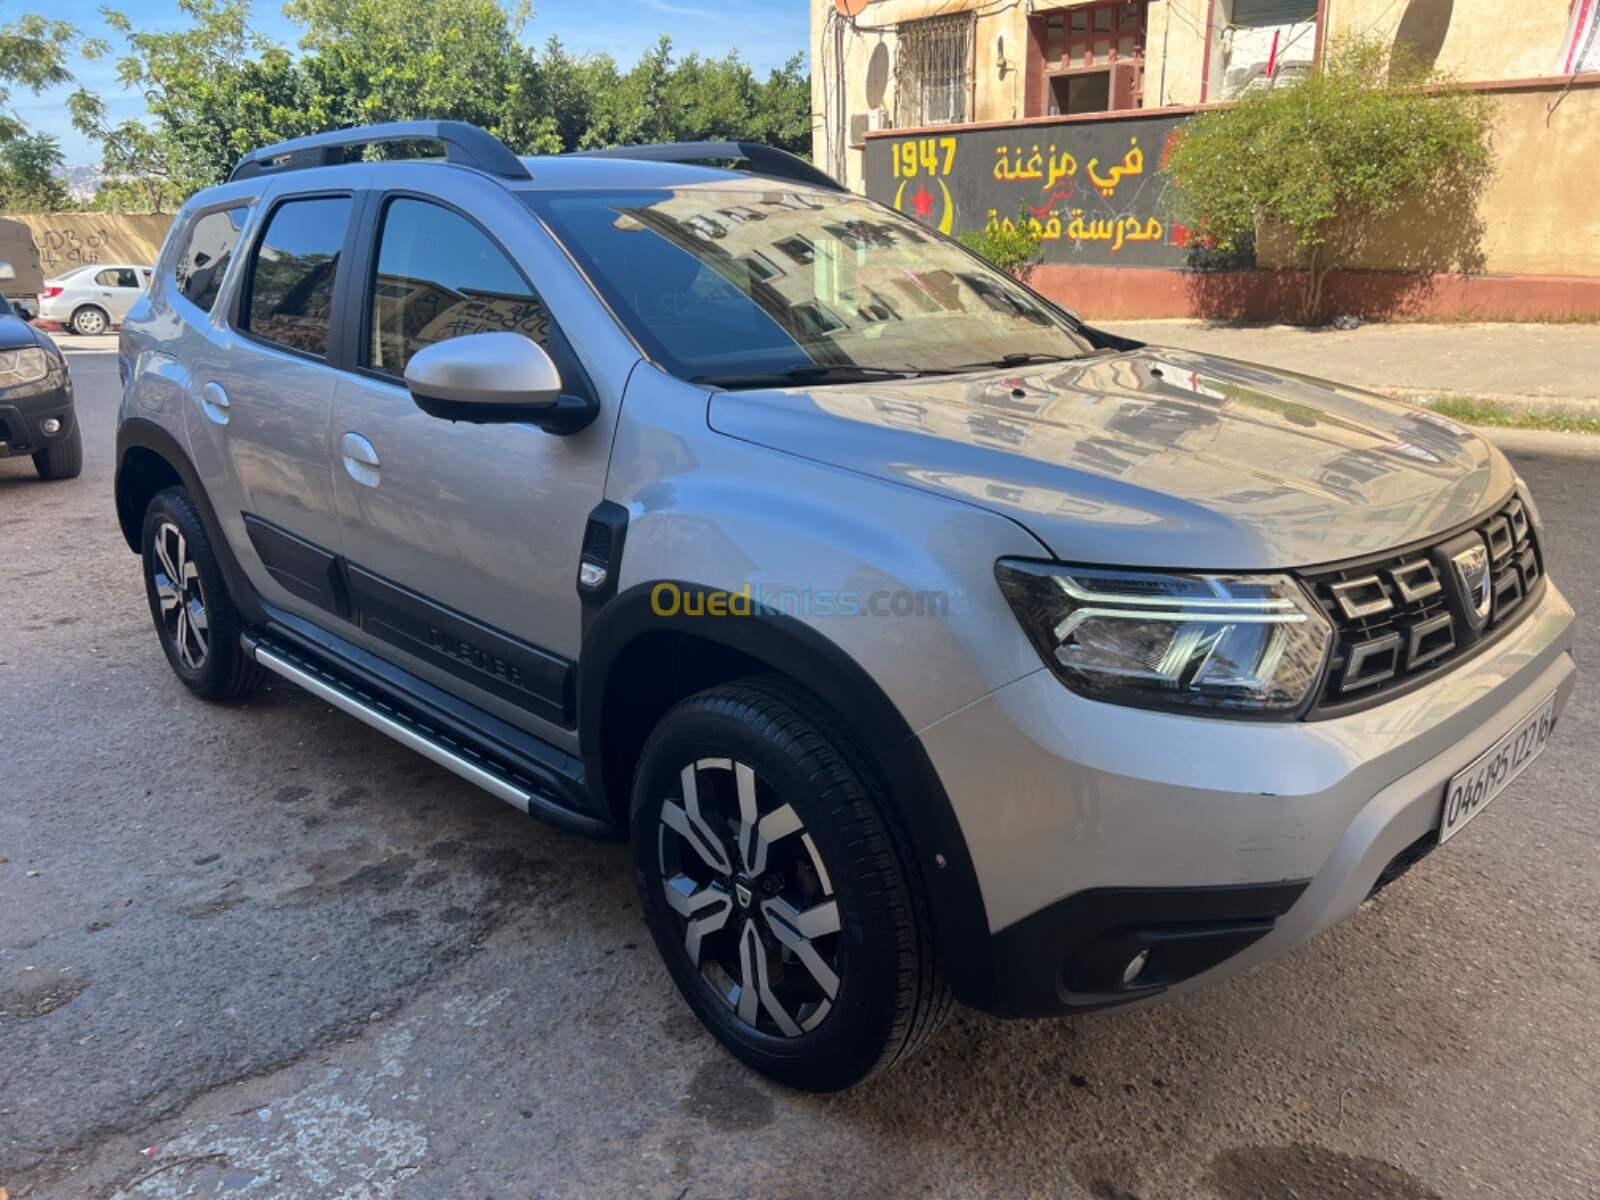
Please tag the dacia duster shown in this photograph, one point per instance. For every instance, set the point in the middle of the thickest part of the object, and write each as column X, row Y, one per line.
column 925, row 642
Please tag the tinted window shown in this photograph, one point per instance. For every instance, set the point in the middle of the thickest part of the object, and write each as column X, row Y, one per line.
column 117, row 277
column 290, row 298
column 204, row 258
column 439, row 276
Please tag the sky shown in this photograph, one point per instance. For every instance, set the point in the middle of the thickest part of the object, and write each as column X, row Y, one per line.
column 765, row 32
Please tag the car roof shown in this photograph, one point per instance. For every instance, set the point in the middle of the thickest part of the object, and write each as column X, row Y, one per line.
column 578, row 172
column 103, row 266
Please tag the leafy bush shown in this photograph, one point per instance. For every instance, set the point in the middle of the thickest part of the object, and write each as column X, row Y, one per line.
column 1323, row 160
column 1013, row 246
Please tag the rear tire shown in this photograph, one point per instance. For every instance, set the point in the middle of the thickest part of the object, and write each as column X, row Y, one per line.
column 61, row 459
column 90, row 320
column 787, row 907
column 196, row 619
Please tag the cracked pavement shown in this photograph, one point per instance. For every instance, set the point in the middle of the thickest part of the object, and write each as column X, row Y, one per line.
column 261, row 951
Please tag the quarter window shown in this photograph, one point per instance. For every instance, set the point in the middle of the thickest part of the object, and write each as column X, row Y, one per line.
column 204, row 258
column 439, row 276
column 290, row 296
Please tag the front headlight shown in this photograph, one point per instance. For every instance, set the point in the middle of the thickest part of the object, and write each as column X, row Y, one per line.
column 1244, row 644
column 22, row 366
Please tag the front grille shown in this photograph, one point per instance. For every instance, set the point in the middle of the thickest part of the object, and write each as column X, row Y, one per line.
column 1404, row 618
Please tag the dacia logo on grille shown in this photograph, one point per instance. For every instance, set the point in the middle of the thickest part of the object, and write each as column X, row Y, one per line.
column 1472, row 575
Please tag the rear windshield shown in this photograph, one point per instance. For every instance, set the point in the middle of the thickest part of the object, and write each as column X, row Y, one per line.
column 728, row 286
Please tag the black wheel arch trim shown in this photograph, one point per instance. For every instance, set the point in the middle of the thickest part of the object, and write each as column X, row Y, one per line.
column 794, row 649
column 141, row 433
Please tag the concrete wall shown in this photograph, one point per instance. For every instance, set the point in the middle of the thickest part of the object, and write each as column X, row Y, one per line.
column 998, row 86
column 79, row 239
column 1175, row 52
column 1539, row 216
column 1482, row 39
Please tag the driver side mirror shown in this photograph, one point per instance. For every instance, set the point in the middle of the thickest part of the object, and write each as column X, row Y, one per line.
column 494, row 378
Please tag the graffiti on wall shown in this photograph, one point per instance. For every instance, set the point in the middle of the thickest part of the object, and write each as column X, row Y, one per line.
column 62, row 249
column 1094, row 192
column 68, row 240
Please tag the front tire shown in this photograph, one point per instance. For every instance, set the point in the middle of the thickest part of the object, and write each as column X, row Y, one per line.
column 780, row 890
column 61, row 459
column 90, row 320
column 196, row 619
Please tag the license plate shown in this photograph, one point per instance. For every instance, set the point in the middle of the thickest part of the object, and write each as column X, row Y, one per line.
column 1469, row 793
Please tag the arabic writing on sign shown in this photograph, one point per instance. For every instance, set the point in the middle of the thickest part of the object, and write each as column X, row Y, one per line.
column 1117, row 230
column 1055, row 166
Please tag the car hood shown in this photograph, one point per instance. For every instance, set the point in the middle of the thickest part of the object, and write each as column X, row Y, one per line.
column 15, row 333
column 1150, row 457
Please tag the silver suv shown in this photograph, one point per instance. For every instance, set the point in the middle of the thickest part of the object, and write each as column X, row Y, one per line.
column 925, row 642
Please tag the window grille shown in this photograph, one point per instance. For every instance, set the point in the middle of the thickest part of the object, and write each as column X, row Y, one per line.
column 933, row 71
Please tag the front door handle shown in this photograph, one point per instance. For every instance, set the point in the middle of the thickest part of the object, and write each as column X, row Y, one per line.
column 360, row 459
column 214, row 403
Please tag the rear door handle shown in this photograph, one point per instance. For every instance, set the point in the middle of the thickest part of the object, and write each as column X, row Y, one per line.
column 360, row 459
column 214, row 402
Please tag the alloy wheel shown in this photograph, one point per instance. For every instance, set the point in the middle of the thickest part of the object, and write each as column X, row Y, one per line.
column 183, row 608
column 753, row 899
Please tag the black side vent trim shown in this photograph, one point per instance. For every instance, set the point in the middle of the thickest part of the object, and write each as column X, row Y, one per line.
column 601, row 560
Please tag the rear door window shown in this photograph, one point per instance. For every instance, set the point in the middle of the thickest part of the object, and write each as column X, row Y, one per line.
column 117, row 277
column 206, row 252
column 289, row 289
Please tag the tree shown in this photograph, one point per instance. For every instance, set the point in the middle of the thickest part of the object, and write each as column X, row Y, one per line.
column 396, row 60
column 1325, row 159
column 33, row 54
column 215, row 89
column 28, row 175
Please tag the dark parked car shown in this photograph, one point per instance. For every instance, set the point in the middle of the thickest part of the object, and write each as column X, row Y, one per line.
column 36, row 412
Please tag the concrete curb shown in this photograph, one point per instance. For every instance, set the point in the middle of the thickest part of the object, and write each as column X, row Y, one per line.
column 1542, row 406
column 1542, row 442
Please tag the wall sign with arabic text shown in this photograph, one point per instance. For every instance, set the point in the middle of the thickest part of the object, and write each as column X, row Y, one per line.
column 1095, row 191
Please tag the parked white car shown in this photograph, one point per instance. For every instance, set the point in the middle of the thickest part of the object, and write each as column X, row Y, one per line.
column 95, row 298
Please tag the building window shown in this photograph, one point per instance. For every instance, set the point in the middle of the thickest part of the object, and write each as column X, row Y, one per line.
column 1263, row 43
column 1087, row 58
column 933, row 71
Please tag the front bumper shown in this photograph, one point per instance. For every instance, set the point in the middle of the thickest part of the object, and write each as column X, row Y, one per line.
column 1097, row 830
column 24, row 410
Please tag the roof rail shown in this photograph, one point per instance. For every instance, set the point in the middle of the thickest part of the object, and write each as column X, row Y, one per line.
column 757, row 158
column 463, row 143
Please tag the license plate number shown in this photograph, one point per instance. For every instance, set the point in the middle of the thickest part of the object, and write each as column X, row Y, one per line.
column 1469, row 793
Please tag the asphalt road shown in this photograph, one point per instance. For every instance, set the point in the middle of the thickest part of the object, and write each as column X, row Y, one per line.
column 260, row 951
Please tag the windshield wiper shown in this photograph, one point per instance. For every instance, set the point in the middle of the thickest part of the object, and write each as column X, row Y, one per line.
column 1012, row 360
column 808, row 371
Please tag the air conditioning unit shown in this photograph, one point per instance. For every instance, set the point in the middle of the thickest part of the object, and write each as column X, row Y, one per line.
column 871, row 121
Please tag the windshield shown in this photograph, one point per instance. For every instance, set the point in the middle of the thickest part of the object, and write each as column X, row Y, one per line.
column 741, row 288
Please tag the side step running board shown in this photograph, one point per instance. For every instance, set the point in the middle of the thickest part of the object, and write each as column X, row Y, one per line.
column 409, row 723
